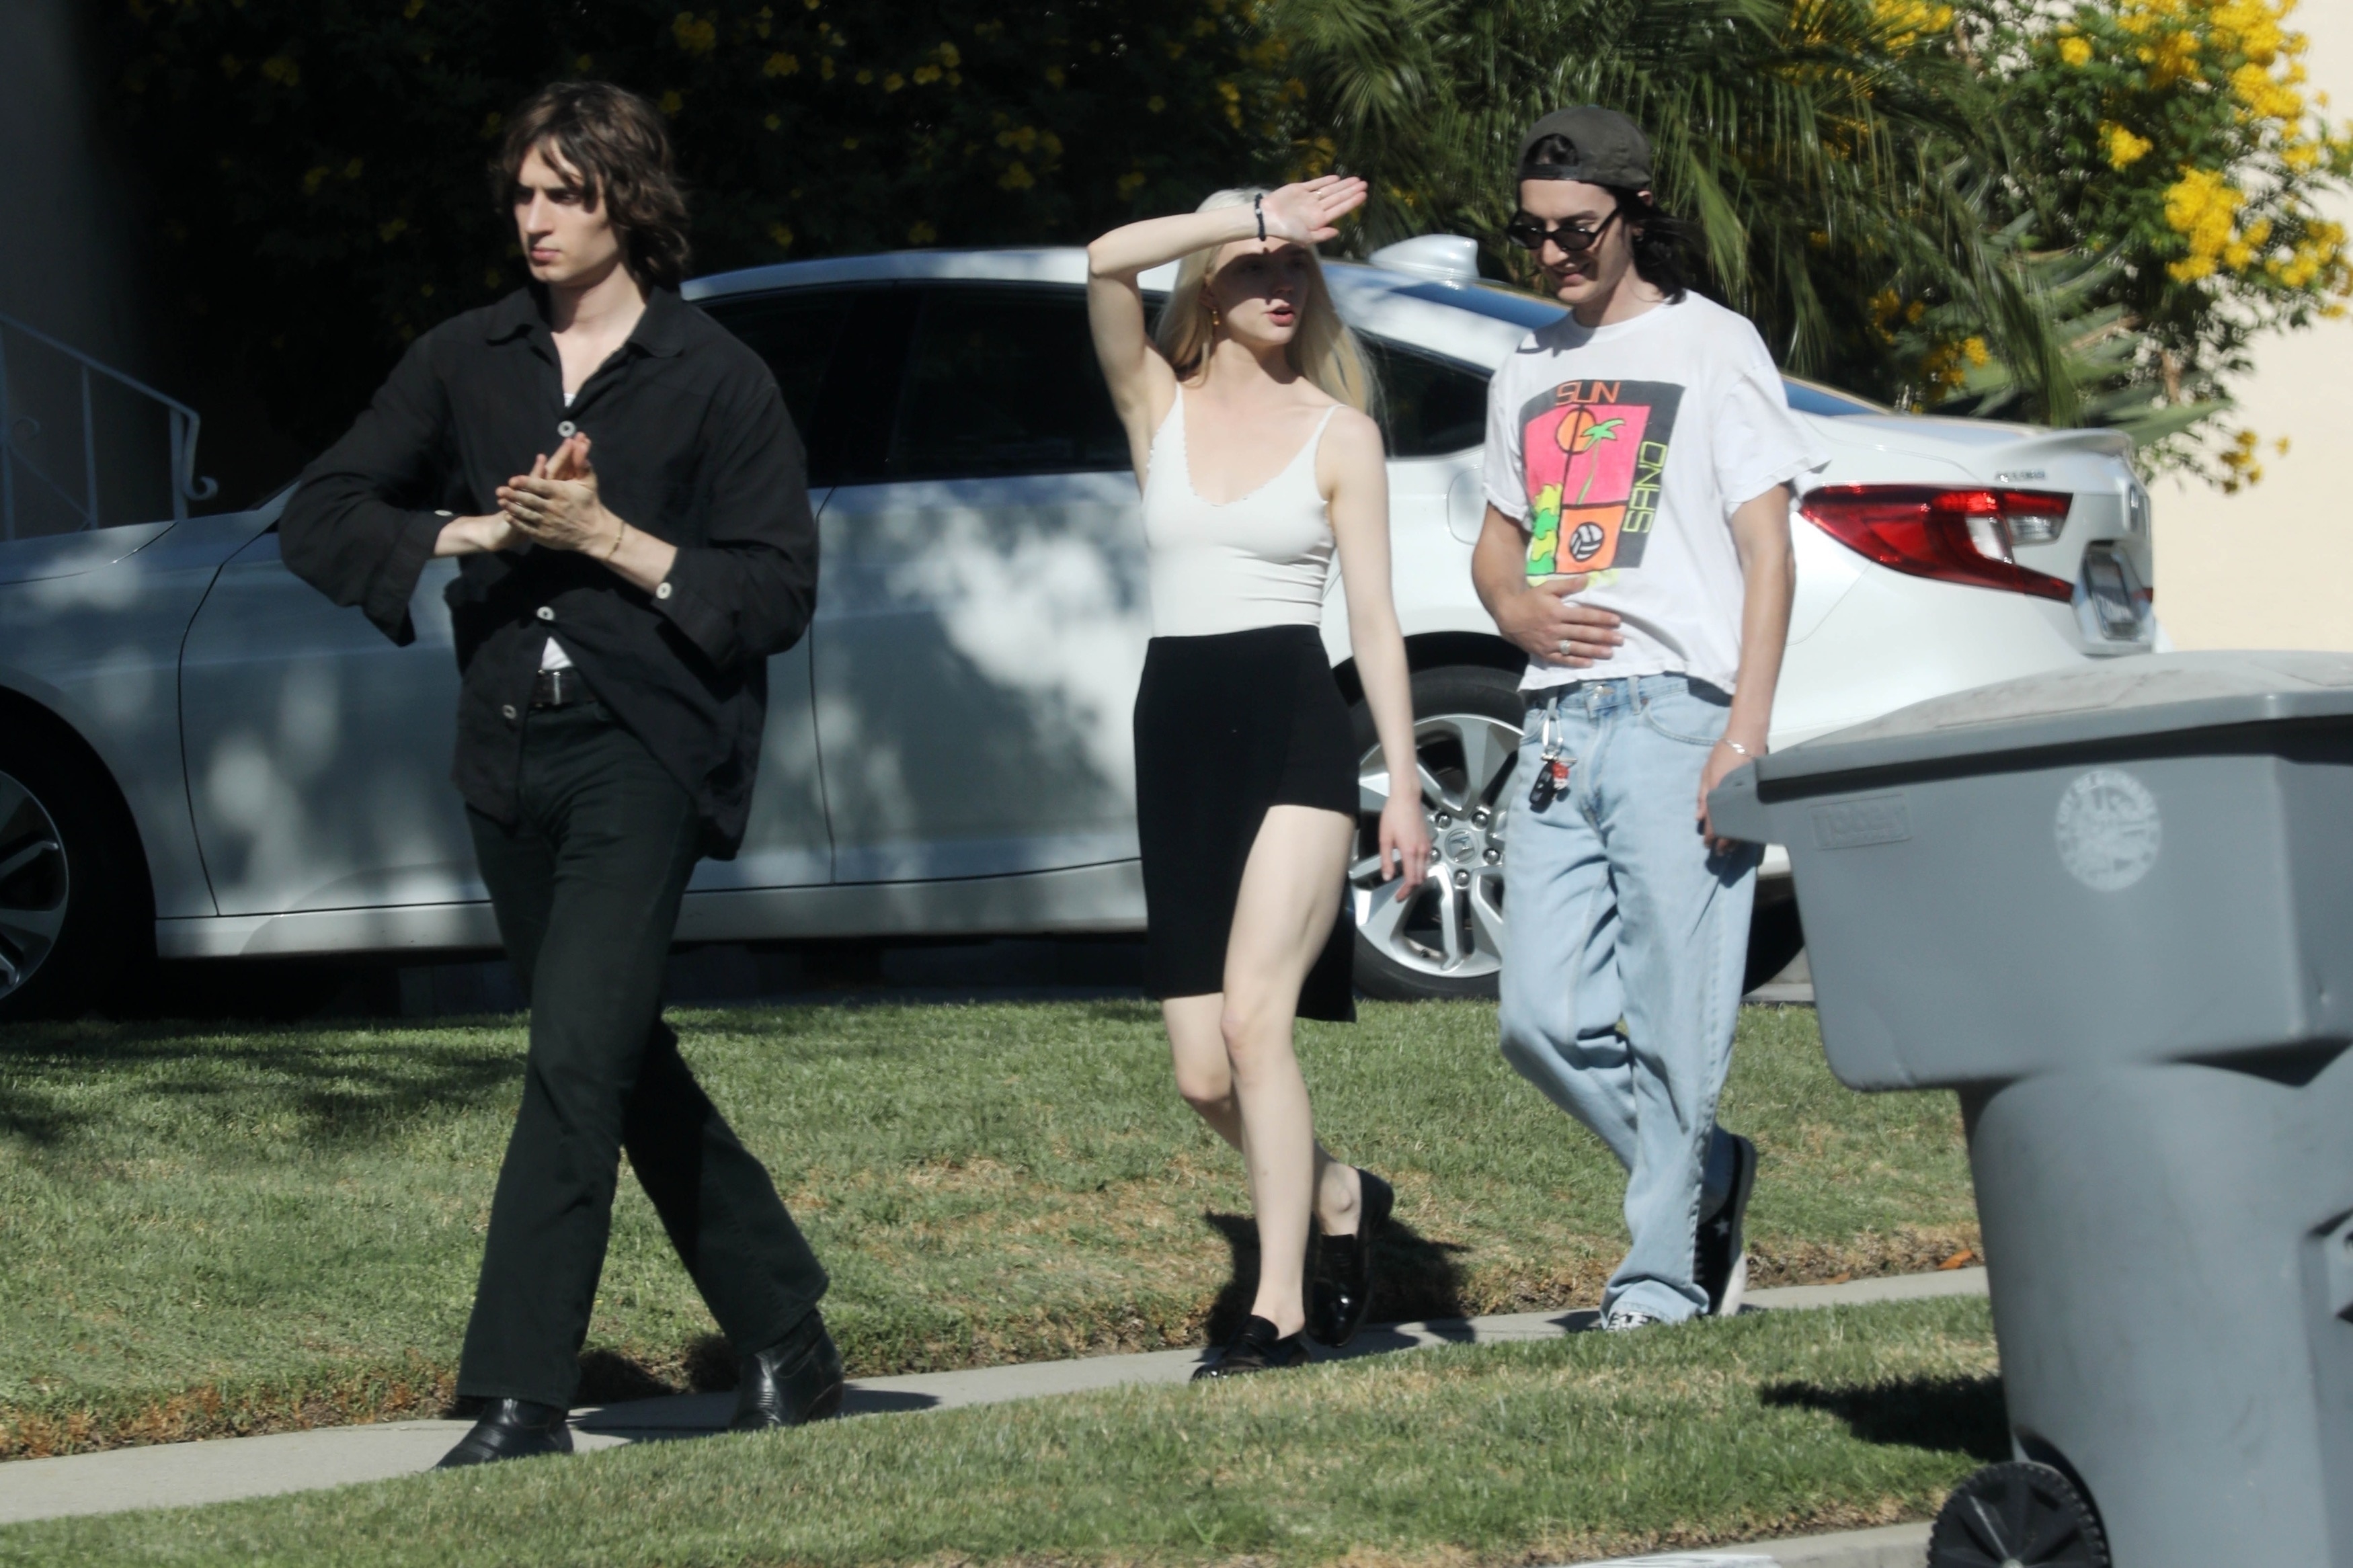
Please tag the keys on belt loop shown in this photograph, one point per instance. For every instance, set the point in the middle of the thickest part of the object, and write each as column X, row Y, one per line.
column 556, row 689
column 1552, row 764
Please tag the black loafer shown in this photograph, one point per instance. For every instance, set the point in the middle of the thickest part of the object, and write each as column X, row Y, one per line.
column 795, row 1381
column 1342, row 1290
column 1257, row 1348
column 512, row 1429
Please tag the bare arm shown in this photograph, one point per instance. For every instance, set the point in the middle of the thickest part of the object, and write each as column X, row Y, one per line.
column 1542, row 622
column 1142, row 384
column 1760, row 532
column 475, row 535
column 1352, row 464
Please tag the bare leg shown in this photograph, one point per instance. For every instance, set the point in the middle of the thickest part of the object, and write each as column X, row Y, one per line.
column 1282, row 914
column 1204, row 1076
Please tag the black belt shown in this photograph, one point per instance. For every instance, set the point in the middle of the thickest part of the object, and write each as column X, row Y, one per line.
column 559, row 689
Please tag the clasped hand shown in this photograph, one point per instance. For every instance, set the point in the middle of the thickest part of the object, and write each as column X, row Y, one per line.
column 556, row 505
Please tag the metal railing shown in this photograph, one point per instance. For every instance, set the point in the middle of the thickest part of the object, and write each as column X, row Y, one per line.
column 21, row 466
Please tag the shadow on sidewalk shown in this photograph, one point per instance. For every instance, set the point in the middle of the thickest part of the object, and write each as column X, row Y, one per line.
column 1955, row 1415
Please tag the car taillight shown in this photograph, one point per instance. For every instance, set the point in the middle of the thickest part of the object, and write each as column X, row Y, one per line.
column 1952, row 535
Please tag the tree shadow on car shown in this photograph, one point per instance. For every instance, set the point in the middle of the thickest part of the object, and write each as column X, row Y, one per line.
column 1947, row 1415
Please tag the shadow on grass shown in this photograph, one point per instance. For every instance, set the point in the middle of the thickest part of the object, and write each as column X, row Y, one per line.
column 344, row 1086
column 1955, row 1416
column 708, row 1366
column 1414, row 1278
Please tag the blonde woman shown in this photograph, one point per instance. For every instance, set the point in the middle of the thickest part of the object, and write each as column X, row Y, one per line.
column 1246, row 415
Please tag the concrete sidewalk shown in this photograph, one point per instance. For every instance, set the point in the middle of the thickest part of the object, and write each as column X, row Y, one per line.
column 1897, row 1546
column 222, row 1469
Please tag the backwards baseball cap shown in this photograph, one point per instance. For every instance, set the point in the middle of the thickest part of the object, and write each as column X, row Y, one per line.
column 1604, row 148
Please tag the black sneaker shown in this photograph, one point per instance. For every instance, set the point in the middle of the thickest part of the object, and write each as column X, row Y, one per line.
column 1720, row 1256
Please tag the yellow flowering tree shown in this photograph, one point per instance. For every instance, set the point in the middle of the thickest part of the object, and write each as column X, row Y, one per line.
column 1820, row 153
column 2077, row 211
column 2177, row 141
column 319, row 165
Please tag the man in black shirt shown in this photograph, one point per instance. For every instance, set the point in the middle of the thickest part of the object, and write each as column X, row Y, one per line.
column 630, row 500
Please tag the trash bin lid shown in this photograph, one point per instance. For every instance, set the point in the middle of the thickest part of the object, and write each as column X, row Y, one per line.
column 2121, row 700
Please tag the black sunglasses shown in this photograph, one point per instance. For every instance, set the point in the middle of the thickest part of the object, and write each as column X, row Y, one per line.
column 1527, row 232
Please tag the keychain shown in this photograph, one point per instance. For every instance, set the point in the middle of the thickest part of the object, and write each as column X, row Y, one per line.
column 1552, row 766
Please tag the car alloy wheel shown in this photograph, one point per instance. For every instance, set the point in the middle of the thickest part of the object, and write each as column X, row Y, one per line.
column 1451, row 927
column 34, row 882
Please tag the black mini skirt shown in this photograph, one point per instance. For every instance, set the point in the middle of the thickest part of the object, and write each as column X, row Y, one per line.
column 1227, row 726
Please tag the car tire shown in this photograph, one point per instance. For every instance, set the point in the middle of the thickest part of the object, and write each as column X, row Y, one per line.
column 1776, row 936
column 69, row 882
column 1445, row 944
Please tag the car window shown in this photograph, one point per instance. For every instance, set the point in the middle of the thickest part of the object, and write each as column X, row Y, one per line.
column 1806, row 397
column 839, row 399
column 1003, row 382
column 795, row 333
column 1498, row 302
column 1524, row 309
column 1430, row 407
column 836, row 356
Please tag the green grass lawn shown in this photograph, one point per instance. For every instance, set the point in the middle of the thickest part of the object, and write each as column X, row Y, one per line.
column 1698, row 1435
column 232, row 1229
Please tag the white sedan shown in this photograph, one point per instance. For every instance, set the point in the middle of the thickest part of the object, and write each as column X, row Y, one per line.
column 198, row 746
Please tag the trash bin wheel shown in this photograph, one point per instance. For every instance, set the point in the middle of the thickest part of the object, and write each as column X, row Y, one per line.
column 2019, row 1515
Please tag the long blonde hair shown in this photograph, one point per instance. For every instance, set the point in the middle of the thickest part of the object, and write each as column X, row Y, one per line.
column 1324, row 350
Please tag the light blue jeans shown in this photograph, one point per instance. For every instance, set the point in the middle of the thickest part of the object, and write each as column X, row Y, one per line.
column 1624, row 955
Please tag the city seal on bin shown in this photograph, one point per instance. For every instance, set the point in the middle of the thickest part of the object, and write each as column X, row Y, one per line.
column 2108, row 829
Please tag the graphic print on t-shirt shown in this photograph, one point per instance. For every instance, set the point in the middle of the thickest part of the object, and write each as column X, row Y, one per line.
column 1594, row 453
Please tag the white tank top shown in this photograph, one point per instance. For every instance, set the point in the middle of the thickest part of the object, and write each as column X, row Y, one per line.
column 1262, row 560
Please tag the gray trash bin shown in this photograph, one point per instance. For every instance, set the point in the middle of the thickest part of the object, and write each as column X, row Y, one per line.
column 2113, row 910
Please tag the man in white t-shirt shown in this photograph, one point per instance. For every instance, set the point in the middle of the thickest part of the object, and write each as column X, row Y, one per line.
column 1639, row 459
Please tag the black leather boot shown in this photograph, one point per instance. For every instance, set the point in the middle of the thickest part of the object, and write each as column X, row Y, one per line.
column 796, row 1380
column 1341, row 1290
column 1257, row 1348
column 512, row 1429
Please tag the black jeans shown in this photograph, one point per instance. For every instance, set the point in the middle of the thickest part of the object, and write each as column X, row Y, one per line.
column 586, row 886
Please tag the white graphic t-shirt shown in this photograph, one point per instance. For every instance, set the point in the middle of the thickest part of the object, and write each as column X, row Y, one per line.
column 1623, row 450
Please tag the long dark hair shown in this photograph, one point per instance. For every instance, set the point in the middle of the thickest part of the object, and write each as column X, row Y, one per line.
column 617, row 141
column 1661, row 240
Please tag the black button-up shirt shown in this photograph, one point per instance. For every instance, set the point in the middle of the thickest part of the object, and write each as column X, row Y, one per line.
column 690, row 443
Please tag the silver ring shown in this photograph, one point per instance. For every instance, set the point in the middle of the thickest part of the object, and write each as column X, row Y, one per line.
column 1563, row 644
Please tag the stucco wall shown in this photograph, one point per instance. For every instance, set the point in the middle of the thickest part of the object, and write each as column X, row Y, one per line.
column 2273, row 565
